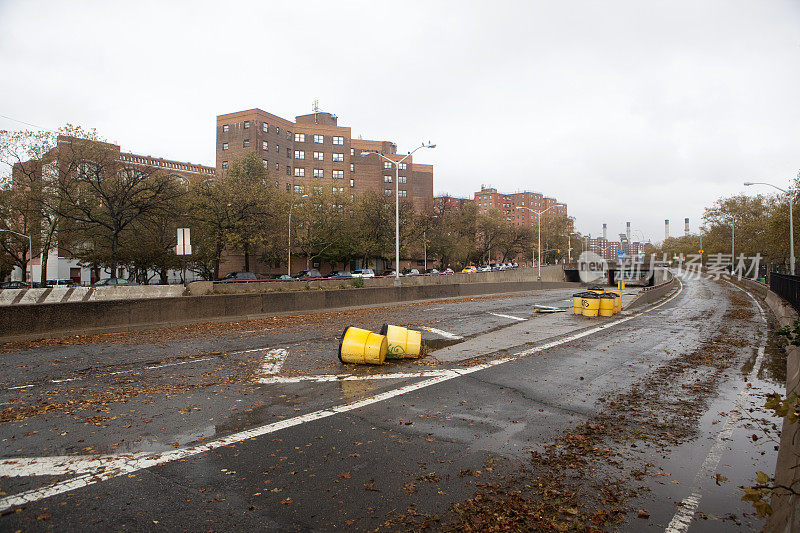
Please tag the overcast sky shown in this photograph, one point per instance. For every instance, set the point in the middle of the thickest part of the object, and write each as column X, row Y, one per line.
column 633, row 110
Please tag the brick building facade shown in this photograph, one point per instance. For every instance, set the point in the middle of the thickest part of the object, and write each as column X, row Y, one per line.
column 315, row 147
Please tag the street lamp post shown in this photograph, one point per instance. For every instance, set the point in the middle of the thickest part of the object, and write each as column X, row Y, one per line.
column 539, row 243
column 291, row 206
column 397, row 204
column 789, row 194
column 30, row 249
column 569, row 246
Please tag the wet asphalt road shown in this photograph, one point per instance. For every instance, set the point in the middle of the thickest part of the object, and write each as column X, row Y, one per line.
column 116, row 422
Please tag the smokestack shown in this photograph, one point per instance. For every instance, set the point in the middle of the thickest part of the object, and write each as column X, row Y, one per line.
column 686, row 226
column 666, row 229
column 605, row 230
column 628, row 231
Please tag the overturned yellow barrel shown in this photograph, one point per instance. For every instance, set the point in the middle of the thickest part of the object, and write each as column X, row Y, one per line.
column 607, row 304
column 402, row 342
column 362, row 347
column 590, row 303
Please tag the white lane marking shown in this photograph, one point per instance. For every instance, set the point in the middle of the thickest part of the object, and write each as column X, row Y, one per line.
column 21, row 387
column 128, row 464
column 444, row 334
column 179, row 363
column 63, row 380
column 683, row 517
column 508, row 316
column 251, row 350
column 120, row 372
column 273, row 361
column 55, row 466
column 324, row 378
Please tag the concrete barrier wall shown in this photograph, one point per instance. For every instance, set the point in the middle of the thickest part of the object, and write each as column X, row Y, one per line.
column 31, row 321
column 649, row 295
column 552, row 273
column 785, row 516
column 83, row 294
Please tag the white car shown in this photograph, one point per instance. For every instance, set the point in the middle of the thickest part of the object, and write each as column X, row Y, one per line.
column 364, row 273
column 484, row 268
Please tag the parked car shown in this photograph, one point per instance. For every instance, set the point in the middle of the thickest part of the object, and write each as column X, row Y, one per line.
column 410, row 272
column 284, row 276
column 240, row 276
column 514, row 265
column 431, row 271
column 469, row 270
column 60, row 283
column 340, row 274
column 14, row 285
column 114, row 282
column 448, row 270
column 308, row 274
column 484, row 268
column 364, row 273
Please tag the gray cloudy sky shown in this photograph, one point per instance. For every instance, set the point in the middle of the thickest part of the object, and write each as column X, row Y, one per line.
column 632, row 110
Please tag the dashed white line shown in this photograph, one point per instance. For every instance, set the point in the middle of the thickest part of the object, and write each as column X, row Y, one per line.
column 63, row 380
column 179, row 363
column 273, row 361
column 683, row 517
column 20, row 387
column 324, row 378
column 508, row 316
column 445, row 334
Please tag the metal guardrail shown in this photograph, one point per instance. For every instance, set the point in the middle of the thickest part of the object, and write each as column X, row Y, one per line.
column 787, row 287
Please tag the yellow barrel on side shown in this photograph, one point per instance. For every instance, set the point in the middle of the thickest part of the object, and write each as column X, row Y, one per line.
column 362, row 347
column 590, row 302
column 606, row 304
column 402, row 342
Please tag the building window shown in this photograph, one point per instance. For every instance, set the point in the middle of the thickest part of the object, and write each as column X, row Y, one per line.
column 225, row 127
column 338, row 140
column 224, row 146
column 265, row 146
column 266, row 163
column 246, row 124
column 352, row 167
column 386, row 164
column 265, row 127
column 338, row 157
column 288, row 170
column 277, row 130
column 352, row 183
column 277, row 166
column 246, row 143
column 352, row 152
column 338, row 190
column 318, row 190
column 319, row 173
column 319, row 139
column 387, row 179
column 288, row 152
column 402, row 166
column 402, row 194
column 288, row 135
column 299, row 188
column 338, row 174
column 387, row 192
column 299, row 154
column 299, row 172
column 402, row 179
column 319, row 156
column 299, row 137
column 224, row 164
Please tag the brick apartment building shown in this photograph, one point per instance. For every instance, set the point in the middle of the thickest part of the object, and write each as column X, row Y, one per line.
column 608, row 249
column 315, row 147
column 488, row 198
column 59, row 264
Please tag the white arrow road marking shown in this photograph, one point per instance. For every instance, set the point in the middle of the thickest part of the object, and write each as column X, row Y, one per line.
column 509, row 317
column 444, row 334
column 273, row 361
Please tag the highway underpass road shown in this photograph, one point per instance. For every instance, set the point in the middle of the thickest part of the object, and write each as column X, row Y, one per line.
column 554, row 420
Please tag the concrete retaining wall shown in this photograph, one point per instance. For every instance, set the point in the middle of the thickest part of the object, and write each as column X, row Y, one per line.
column 19, row 322
column 649, row 295
column 84, row 294
column 785, row 516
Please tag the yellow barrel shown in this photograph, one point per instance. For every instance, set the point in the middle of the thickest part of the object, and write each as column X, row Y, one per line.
column 402, row 342
column 362, row 347
column 617, row 300
column 607, row 304
column 590, row 302
column 576, row 303
column 597, row 290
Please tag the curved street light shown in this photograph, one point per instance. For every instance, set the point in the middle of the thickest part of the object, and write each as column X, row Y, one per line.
column 789, row 194
column 397, row 203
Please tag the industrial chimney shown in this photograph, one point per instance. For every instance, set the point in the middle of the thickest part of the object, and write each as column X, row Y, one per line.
column 666, row 229
column 686, row 226
column 605, row 231
column 628, row 231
